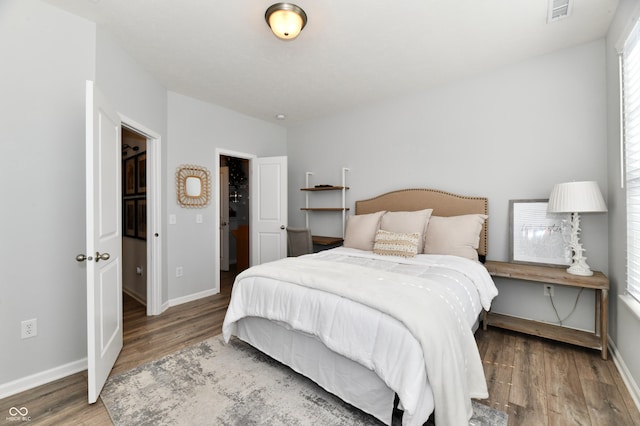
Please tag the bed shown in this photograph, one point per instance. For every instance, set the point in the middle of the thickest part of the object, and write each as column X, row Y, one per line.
column 389, row 316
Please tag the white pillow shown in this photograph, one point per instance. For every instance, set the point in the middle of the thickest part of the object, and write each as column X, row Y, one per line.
column 408, row 223
column 396, row 243
column 455, row 235
column 361, row 230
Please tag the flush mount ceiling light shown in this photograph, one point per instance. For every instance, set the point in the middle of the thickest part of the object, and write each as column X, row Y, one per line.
column 286, row 20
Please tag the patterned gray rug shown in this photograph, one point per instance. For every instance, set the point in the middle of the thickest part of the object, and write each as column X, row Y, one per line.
column 216, row 384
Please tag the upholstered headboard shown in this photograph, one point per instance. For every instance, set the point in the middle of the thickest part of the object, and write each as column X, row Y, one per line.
column 443, row 204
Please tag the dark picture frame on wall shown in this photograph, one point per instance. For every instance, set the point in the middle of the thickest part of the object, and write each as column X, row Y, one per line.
column 141, row 219
column 129, row 218
column 129, row 176
column 134, row 202
column 141, row 173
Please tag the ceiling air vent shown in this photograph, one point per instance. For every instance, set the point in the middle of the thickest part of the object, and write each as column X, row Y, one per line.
column 559, row 9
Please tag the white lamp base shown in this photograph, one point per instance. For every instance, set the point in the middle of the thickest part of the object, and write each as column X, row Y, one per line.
column 580, row 268
column 579, row 264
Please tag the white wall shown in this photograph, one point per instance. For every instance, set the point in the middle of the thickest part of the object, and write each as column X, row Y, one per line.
column 196, row 130
column 134, row 268
column 508, row 134
column 625, row 314
column 46, row 56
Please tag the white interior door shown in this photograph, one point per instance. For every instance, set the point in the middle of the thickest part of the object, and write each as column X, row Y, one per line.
column 268, row 209
column 104, row 239
column 224, row 218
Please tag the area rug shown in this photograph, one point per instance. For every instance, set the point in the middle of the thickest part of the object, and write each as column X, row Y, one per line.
column 215, row 384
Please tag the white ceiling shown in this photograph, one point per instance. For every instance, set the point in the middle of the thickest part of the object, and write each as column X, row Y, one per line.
column 351, row 52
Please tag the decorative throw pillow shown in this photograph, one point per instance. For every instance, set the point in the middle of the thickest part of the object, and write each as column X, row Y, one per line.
column 361, row 230
column 408, row 223
column 455, row 235
column 396, row 243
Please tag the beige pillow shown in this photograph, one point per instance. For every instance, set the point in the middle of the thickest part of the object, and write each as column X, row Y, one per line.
column 396, row 243
column 361, row 230
column 407, row 222
column 456, row 235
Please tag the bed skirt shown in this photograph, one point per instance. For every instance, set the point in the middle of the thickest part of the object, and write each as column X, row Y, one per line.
column 306, row 355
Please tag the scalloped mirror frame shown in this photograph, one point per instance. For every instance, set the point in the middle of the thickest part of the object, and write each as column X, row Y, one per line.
column 184, row 188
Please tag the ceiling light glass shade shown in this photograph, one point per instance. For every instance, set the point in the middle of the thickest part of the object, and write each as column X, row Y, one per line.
column 286, row 20
column 573, row 197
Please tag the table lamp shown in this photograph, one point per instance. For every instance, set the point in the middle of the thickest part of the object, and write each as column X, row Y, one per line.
column 576, row 198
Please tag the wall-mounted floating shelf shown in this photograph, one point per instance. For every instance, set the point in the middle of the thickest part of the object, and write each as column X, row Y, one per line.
column 323, row 209
column 343, row 208
column 324, row 188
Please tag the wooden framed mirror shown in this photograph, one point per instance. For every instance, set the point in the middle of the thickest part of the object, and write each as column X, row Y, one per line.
column 193, row 186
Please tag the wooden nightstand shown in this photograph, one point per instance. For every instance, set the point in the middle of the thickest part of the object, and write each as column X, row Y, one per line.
column 325, row 243
column 552, row 275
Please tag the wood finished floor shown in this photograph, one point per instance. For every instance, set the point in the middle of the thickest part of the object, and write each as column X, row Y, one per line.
column 538, row 382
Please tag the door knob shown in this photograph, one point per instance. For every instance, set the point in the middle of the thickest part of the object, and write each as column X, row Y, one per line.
column 103, row 256
column 281, row 226
column 82, row 258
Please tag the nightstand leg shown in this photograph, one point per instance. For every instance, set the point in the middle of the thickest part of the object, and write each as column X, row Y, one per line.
column 604, row 313
column 598, row 319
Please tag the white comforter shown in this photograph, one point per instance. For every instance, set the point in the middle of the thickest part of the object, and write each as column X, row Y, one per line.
column 437, row 298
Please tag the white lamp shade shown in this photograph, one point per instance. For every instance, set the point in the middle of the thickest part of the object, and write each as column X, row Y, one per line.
column 576, row 197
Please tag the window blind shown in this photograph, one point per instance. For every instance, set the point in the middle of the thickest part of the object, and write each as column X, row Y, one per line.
column 631, row 133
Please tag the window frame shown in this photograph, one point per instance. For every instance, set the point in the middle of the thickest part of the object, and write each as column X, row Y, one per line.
column 629, row 64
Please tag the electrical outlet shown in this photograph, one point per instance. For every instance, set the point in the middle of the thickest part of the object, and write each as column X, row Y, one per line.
column 179, row 271
column 548, row 290
column 29, row 328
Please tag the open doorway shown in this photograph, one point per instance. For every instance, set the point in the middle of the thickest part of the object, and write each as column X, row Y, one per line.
column 261, row 201
column 134, row 217
column 234, row 218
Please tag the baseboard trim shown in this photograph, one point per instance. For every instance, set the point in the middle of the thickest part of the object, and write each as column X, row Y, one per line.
column 134, row 295
column 627, row 378
column 192, row 297
column 42, row 378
